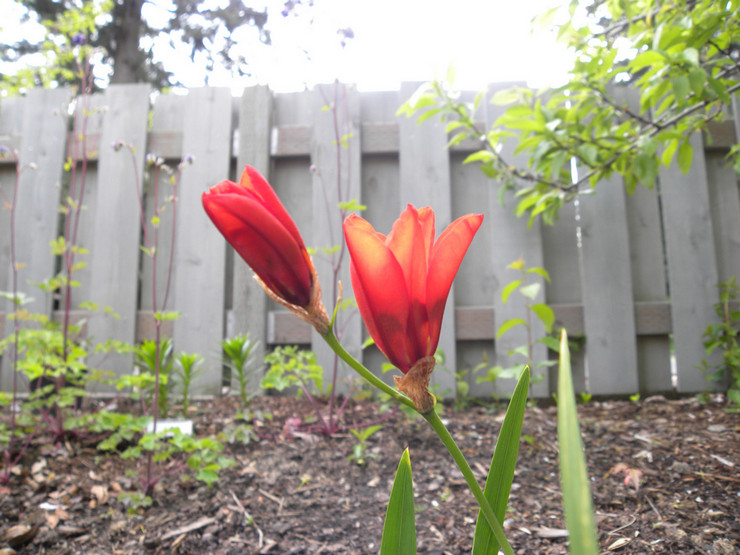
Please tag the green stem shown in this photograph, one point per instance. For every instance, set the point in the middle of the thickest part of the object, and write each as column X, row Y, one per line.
column 438, row 426
column 433, row 418
column 331, row 339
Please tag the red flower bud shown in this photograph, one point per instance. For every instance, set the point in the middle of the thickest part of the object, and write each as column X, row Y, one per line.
column 254, row 221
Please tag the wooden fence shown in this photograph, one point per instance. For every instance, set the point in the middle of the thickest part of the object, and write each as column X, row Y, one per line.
column 635, row 276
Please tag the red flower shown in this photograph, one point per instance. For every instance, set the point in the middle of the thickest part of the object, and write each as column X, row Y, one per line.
column 401, row 281
column 254, row 221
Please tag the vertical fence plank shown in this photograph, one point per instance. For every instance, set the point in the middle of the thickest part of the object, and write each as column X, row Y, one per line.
column 200, row 249
column 609, row 318
column 249, row 301
column 425, row 181
column 116, row 226
column 168, row 115
column 336, row 179
column 380, row 189
column 512, row 239
column 649, row 285
column 561, row 255
column 692, row 263
column 11, row 125
column 42, row 144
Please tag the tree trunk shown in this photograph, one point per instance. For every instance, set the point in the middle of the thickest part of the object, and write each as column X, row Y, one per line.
column 128, row 60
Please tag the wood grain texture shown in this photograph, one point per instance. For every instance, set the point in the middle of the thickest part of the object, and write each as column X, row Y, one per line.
column 116, row 227
column 200, row 249
column 692, row 264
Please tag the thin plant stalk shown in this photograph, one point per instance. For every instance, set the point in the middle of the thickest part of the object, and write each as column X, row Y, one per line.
column 8, row 459
column 152, row 250
column 438, row 426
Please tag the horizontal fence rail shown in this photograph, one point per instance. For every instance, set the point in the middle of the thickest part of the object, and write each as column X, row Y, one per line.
column 633, row 278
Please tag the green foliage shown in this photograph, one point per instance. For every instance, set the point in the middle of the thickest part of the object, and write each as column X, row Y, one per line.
column 151, row 357
column 678, row 60
column 503, row 465
column 187, row 368
column 723, row 337
column 399, row 530
column 359, row 449
column 577, row 502
column 237, row 352
column 110, row 32
column 541, row 311
column 291, row 366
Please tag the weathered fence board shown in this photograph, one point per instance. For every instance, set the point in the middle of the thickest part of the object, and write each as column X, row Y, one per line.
column 424, row 169
column 608, row 311
column 637, row 292
column 117, row 215
column 336, row 178
column 249, row 302
column 512, row 239
column 200, row 251
column 692, row 263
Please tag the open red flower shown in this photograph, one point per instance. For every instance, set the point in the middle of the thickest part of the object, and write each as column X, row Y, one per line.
column 401, row 281
column 254, row 221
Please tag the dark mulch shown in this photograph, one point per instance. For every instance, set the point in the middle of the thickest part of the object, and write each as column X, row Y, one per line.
column 665, row 480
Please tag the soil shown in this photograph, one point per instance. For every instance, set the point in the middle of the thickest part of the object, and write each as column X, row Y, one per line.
column 664, row 477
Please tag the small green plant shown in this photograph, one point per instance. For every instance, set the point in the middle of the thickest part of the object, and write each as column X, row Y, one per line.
column 359, row 449
column 187, row 368
column 147, row 364
column 724, row 337
column 177, row 452
column 290, row 366
column 541, row 310
column 237, row 352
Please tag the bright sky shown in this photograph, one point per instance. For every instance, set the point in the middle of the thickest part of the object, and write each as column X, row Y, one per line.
column 394, row 40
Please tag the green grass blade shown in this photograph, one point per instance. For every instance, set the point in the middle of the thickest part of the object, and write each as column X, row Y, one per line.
column 577, row 504
column 399, row 531
column 503, row 464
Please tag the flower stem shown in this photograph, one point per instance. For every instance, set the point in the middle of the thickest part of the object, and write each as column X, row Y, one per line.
column 331, row 339
column 433, row 418
column 438, row 426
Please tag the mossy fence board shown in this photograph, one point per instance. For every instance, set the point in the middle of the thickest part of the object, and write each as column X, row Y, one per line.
column 634, row 276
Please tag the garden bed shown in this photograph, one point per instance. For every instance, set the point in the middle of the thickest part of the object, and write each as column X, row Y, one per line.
column 665, row 480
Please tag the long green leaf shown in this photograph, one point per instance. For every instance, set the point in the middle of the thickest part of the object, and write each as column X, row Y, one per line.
column 399, row 531
column 503, row 464
column 577, row 504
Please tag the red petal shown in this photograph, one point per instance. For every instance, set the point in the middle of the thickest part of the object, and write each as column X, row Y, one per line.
column 408, row 242
column 447, row 254
column 253, row 181
column 261, row 240
column 380, row 290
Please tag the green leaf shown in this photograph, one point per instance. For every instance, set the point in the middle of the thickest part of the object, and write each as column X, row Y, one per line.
column 503, row 464
column 545, row 314
column 530, row 291
column 399, row 531
column 506, row 326
column 685, row 156
column 577, row 503
column 540, row 272
column 697, row 80
column 509, row 289
column 681, row 87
